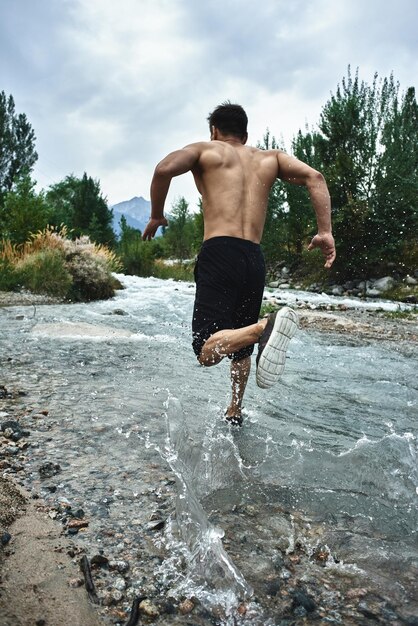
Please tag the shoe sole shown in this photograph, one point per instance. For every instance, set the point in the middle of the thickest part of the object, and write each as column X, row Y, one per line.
column 273, row 358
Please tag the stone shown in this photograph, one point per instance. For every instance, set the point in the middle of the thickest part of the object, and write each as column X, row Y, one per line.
column 75, row 582
column 119, row 584
column 148, row 608
column 410, row 280
column 49, row 469
column 373, row 293
column 78, row 523
column 99, row 560
column 301, row 599
column 274, row 284
column 337, row 290
column 385, row 283
column 186, row 606
column 120, row 566
column 5, row 538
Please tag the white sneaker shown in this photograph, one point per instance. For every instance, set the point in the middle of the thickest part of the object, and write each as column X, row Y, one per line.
column 273, row 344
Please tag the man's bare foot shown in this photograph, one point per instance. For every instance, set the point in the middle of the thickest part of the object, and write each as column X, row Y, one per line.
column 234, row 418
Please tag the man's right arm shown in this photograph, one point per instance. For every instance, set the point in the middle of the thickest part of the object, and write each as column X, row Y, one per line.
column 174, row 164
column 294, row 171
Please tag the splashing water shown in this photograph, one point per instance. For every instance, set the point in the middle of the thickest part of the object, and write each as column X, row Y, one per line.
column 199, row 565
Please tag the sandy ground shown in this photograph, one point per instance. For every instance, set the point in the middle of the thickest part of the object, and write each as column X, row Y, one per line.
column 39, row 582
column 40, row 579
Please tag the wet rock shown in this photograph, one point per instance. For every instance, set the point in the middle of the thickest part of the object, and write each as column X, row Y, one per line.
column 12, row 430
column 4, row 393
column 119, row 584
column 156, row 525
column 364, row 608
column 186, row 606
column 273, row 587
column 320, row 555
column 301, row 599
column 49, row 469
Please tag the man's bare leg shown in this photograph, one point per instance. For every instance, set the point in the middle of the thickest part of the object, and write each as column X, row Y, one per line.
column 240, row 371
column 229, row 341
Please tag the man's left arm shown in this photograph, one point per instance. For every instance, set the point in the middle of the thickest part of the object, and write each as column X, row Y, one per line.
column 299, row 173
column 174, row 164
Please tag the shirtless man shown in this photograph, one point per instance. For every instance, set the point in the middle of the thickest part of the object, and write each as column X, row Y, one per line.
column 234, row 181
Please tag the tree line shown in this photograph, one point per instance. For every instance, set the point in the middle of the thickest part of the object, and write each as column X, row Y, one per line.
column 365, row 143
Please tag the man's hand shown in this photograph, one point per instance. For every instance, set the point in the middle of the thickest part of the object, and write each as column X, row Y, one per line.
column 152, row 227
column 327, row 245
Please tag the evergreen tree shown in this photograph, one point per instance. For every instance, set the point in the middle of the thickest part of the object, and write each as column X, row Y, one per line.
column 79, row 204
column 178, row 236
column 301, row 224
column 17, row 145
column 394, row 221
column 275, row 237
column 349, row 147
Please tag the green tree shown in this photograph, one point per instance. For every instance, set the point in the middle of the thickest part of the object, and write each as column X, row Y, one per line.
column 178, row 236
column 301, row 224
column 198, row 228
column 275, row 238
column 394, row 220
column 60, row 198
column 136, row 255
column 79, row 204
column 349, row 146
column 24, row 211
column 17, row 145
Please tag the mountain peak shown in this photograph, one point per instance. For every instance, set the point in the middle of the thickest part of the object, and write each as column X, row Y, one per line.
column 136, row 211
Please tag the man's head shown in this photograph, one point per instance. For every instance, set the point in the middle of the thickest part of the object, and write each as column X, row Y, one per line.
column 229, row 119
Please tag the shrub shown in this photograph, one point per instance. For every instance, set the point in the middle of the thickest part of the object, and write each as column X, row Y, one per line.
column 44, row 271
column 176, row 271
column 91, row 279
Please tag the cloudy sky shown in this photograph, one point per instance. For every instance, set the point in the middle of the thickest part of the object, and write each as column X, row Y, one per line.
column 112, row 87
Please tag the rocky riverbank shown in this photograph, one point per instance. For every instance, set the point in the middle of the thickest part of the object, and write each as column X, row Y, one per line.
column 57, row 533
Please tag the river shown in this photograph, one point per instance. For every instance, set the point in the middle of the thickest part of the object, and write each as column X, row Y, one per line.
column 309, row 511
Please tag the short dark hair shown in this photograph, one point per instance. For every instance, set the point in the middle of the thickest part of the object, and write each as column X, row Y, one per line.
column 230, row 119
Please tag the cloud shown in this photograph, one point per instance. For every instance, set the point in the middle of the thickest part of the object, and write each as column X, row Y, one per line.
column 110, row 88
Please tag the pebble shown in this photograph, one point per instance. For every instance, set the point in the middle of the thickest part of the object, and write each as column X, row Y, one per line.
column 120, row 566
column 149, row 609
column 186, row 606
column 5, row 538
column 301, row 599
column 75, row 582
column 119, row 584
column 49, row 469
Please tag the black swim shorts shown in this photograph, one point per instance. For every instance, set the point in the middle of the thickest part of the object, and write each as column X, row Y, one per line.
column 229, row 274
